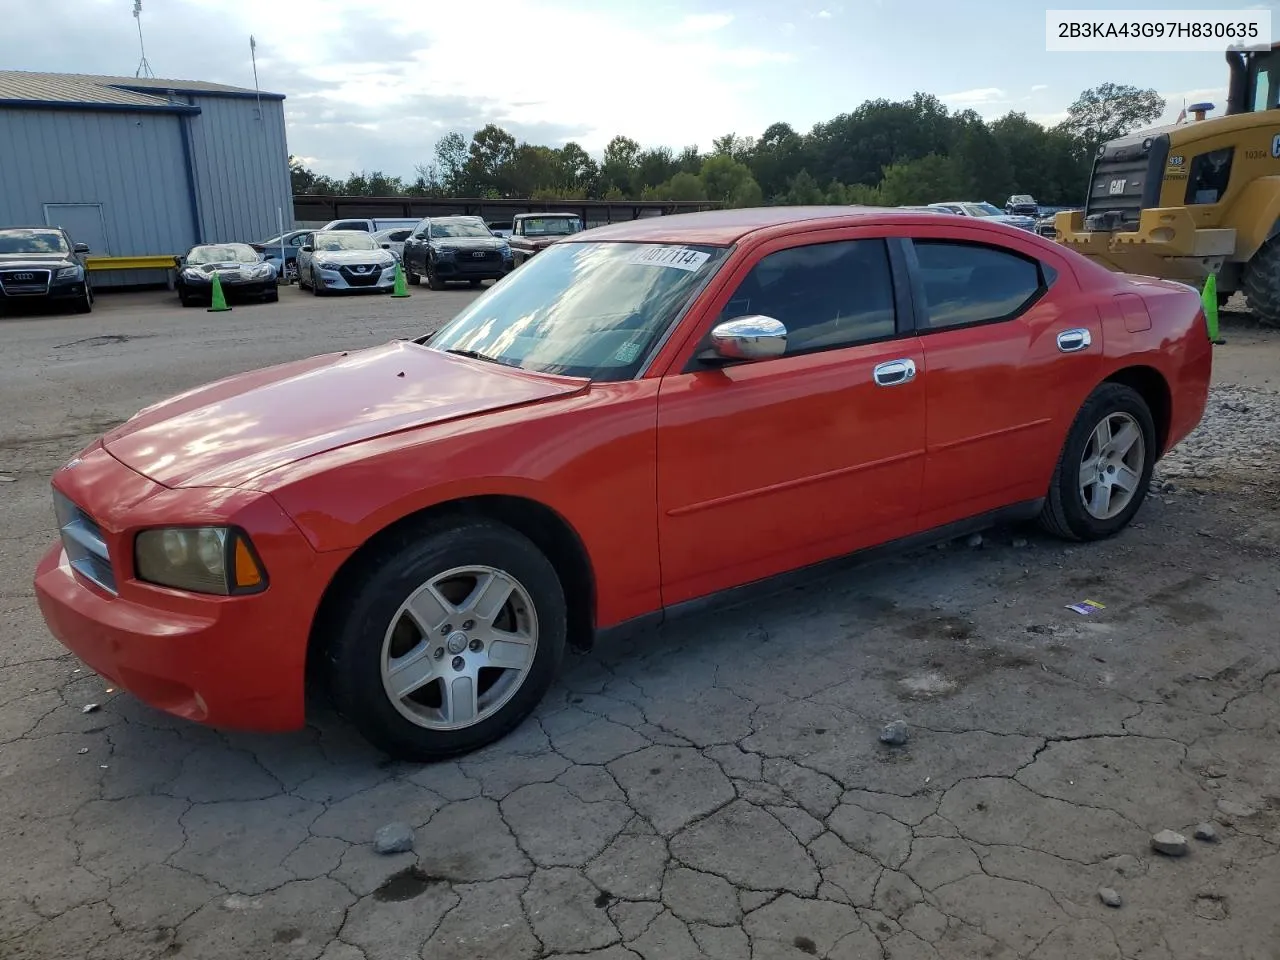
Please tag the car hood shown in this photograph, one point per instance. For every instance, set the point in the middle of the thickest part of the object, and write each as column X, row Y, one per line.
column 352, row 256
column 38, row 261
column 231, row 266
column 228, row 432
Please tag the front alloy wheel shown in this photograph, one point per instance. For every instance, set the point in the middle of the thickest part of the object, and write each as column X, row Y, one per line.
column 1112, row 466
column 445, row 638
column 459, row 648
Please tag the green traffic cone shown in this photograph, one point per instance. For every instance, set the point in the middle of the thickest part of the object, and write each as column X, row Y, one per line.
column 218, row 302
column 400, row 289
column 1209, row 300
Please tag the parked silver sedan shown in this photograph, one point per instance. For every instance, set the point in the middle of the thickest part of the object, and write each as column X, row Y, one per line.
column 331, row 260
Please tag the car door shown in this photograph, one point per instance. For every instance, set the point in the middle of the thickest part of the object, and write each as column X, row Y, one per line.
column 306, row 257
column 415, row 247
column 769, row 465
column 1011, row 347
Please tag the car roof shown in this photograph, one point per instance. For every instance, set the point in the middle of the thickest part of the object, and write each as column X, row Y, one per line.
column 724, row 227
column 546, row 213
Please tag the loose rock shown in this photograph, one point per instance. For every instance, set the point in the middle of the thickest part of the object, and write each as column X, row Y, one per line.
column 975, row 540
column 1214, row 772
column 1231, row 810
column 393, row 838
column 1019, row 542
column 1109, row 897
column 1207, row 832
column 895, row 734
column 1169, row 843
column 91, row 707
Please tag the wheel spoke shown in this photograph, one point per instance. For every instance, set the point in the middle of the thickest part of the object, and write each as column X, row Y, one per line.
column 1100, row 502
column 459, row 704
column 1102, row 435
column 1123, row 441
column 429, row 609
column 510, row 652
column 491, row 592
column 1126, row 478
column 412, row 671
column 1088, row 472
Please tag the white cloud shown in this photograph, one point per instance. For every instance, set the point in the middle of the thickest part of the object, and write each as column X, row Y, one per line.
column 824, row 14
column 977, row 97
column 1048, row 119
column 1036, row 87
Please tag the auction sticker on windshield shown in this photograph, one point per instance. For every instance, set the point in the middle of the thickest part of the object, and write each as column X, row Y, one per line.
column 681, row 258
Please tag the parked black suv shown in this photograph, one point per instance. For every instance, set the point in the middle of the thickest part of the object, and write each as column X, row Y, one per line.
column 1022, row 204
column 41, row 264
column 455, row 248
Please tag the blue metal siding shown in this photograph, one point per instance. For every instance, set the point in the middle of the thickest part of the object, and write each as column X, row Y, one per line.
column 241, row 167
column 131, row 163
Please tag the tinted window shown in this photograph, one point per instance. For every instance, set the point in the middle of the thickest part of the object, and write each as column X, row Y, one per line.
column 1207, row 181
column 972, row 283
column 826, row 294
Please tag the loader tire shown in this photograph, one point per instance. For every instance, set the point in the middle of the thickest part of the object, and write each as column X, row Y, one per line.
column 1262, row 284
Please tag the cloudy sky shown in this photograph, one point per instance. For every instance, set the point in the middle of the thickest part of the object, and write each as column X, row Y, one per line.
column 373, row 86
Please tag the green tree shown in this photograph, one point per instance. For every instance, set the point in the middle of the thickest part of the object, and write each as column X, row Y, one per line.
column 779, row 155
column 531, row 168
column 577, row 171
column 930, row 179
column 981, row 165
column 451, row 164
column 683, row 186
column 492, row 150
column 803, row 190
column 654, row 167
column 618, row 169
column 1108, row 111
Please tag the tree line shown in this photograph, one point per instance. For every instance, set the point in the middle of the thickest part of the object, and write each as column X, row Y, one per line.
column 886, row 152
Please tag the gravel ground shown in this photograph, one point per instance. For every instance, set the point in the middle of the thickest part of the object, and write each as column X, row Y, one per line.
column 719, row 789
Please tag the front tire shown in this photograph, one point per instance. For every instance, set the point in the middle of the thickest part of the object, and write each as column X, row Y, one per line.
column 447, row 639
column 85, row 303
column 1104, row 470
column 433, row 278
column 1262, row 283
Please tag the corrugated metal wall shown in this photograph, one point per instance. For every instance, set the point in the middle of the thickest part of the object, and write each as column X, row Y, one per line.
column 242, row 167
column 130, row 163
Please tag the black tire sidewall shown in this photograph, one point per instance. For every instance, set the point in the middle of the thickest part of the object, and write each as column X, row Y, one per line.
column 355, row 650
column 1107, row 400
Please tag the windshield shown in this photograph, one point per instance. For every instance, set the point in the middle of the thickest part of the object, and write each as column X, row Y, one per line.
column 983, row 210
column 1021, row 198
column 582, row 309
column 223, row 253
column 32, row 241
column 551, row 226
column 345, row 241
column 459, row 228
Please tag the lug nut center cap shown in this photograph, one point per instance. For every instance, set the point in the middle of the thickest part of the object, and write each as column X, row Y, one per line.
column 456, row 642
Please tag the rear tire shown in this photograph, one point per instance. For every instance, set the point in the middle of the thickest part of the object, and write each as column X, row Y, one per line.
column 410, row 276
column 1262, row 283
column 433, row 279
column 374, row 625
column 271, row 296
column 1075, row 509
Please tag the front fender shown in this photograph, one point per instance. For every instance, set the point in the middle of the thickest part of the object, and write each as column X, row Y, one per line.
column 1256, row 216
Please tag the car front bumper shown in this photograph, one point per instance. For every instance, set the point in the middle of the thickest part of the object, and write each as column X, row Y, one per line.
column 462, row 268
column 54, row 290
column 346, row 278
column 231, row 289
column 236, row 662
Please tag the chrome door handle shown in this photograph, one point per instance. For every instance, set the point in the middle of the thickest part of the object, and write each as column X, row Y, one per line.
column 1073, row 341
column 893, row 372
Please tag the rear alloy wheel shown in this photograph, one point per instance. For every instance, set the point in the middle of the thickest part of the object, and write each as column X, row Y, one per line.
column 433, row 278
column 448, row 641
column 1103, row 473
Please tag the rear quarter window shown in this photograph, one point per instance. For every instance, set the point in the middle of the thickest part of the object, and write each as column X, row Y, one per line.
column 970, row 283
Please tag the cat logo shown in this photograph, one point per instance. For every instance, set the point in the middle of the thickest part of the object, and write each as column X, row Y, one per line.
column 1275, row 145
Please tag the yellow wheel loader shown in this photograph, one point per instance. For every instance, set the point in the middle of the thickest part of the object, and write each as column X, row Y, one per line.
column 1196, row 198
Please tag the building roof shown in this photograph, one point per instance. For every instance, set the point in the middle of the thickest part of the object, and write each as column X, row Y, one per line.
column 19, row 88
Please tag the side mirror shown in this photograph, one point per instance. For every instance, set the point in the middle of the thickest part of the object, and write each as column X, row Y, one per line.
column 386, row 246
column 753, row 337
column 80, row 248
column 177, row 262
column 307, row 248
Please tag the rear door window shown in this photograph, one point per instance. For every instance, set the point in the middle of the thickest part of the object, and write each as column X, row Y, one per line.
column 970, row 283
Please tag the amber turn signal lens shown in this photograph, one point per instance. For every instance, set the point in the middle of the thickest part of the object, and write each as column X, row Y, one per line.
column 248, row 573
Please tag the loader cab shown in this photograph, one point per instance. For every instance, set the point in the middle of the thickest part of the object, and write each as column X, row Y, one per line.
column 1255, row 80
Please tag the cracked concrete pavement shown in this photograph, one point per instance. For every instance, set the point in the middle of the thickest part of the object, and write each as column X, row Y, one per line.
column 714, row 790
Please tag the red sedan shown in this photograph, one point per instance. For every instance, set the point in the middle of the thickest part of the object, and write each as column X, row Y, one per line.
column 645, row 415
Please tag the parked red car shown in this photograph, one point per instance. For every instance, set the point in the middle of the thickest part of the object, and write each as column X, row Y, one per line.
column 647, row 414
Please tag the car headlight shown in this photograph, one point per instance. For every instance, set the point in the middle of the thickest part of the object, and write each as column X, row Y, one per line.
column 263, row 270
column 445, row 253
column 68, row 273
column 200, row 559
column 327, row 266
column 191, row 273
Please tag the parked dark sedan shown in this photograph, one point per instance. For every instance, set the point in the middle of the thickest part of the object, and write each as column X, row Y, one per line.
column 241, row 271
column 1022, row 204
column 41, row 264
column 455, row 248
column 291, row 243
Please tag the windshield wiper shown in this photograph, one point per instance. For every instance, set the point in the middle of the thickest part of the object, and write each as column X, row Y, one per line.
column 477, row 355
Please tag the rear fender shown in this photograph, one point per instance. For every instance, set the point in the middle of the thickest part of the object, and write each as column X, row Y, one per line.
column 1255, row 216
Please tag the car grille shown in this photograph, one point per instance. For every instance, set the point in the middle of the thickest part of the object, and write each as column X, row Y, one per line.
column 84, row 544
column 477, row 261
column 361, row 274
column 25, row 283
column 1125, row 180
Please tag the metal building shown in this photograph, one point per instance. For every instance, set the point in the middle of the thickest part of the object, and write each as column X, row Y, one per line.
column 142, row 167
